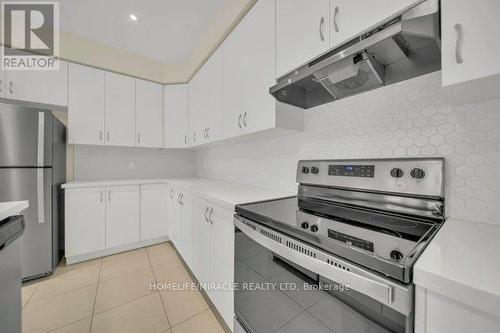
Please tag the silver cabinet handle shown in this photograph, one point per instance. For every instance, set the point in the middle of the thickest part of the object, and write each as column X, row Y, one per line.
column 108, row 136
column 194, row 137
column 138, row 138
column 109, row 195
column 171, row 193
column 245, row 119
column 179, row 198
column 321, row 27
column 335, row 16
column 101, row 195
column 185, row 139
column 100, row 135
column 206, row 212
column 11, row 87
column 210, row 216
column 459, row 43
column 208, row 132
column 182, row 199
column 239, row 121
column 205, row 133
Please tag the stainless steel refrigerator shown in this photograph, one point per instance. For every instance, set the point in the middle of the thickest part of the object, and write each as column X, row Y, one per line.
column 33, row 167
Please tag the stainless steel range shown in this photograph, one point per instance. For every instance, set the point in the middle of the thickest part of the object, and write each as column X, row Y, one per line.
column 338, row 257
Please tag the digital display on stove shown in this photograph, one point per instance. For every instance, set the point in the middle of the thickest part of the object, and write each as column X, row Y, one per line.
column 350, row 240
column 352, row 170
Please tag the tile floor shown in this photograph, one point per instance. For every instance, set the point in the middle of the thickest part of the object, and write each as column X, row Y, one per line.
column 113, row 295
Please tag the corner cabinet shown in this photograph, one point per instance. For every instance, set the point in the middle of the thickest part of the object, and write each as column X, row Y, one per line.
column 469, row 33
column 148, row 114
column 175, row 106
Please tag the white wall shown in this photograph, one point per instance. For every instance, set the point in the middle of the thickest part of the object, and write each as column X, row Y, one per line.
column 412, row 118
column 108, row 163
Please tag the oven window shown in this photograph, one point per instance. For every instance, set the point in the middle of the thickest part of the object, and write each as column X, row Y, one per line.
column 274, row 295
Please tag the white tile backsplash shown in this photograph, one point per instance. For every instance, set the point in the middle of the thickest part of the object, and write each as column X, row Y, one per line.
column 412, row 118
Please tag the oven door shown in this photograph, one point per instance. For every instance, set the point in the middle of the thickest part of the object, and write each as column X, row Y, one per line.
column 284, row 285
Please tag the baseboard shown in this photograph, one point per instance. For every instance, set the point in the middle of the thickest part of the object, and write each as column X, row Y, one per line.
column 106, row 252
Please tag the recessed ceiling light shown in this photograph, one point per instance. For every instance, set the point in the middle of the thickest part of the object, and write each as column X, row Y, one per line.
column 133, row 17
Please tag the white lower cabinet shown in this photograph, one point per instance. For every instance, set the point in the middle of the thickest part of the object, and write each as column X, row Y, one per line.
column 153, row 211
column 85, row 225
column 122, row 215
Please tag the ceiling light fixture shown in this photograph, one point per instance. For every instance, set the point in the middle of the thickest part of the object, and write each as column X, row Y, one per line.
column 133, row 17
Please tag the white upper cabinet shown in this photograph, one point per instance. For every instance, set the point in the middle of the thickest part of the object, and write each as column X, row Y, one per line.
column 249, row 71
column 37, row 86
column 119, row 110
column 175, row 115
column 149, row 114
column 302, row 32
column 206, row 101
column 350, row 18
column 86, row 105
column 469, row 44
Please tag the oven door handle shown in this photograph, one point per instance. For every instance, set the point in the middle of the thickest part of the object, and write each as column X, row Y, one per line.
column 379, row 291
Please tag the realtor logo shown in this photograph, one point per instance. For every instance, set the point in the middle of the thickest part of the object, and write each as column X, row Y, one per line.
column 30, row 35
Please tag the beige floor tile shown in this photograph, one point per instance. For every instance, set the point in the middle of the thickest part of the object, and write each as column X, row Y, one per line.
column 71, row 280
column 54, row 312
column 133, row 262
column 63, row 268
column 123, row 289
column 27, row 292
column 145, row 314
column 82, row 326
column 122, row 255
column 161, row 253
column 204, row 322
column 170, row 271
column 183, row 304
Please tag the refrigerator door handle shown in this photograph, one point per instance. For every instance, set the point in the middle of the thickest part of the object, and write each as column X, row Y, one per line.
column 41, row 139
column 40, row 195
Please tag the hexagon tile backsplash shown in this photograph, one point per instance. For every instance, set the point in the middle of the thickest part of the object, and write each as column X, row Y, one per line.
column 408, row 119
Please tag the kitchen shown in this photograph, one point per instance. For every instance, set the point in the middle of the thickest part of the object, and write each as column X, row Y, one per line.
column 320, row 144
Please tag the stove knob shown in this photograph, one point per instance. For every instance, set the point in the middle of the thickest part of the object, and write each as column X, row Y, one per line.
column 397, row 173
column 314, row 228
column 314, row 170
column 304, row 225
column 305, row 169
column 417, row 173
column 396, row 255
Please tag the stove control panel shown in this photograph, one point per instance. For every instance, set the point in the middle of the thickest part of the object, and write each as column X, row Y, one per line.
column 419, row 176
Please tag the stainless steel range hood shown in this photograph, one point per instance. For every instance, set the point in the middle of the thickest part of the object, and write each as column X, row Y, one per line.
column 403, row 48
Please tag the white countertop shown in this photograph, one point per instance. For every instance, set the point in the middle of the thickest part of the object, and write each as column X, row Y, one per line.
column 222, row 193
column 462, row 262
column 8, row 209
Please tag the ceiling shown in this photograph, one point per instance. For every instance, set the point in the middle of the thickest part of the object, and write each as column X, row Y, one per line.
column 167, row 31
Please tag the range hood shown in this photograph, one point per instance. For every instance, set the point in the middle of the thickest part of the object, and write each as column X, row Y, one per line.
column 405, row 47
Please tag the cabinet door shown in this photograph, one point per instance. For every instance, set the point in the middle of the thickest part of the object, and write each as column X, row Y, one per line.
column 200, row 241
column 302, row 32
column 122, row 215
column 153, row 211
column 469, row 31
column 222, row 268
column 351, row 18
column 170, row 212
column 177, row 219
column 149, row 114
column 212, row 83
column 195, row 113
column 120, row 110
column 188, row 204
column 85, row 105
column 176, row 115
column 44, row 87
column 85, row 227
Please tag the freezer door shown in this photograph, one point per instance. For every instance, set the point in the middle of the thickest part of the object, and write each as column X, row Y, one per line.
column 25, row 136
column 34, row 185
